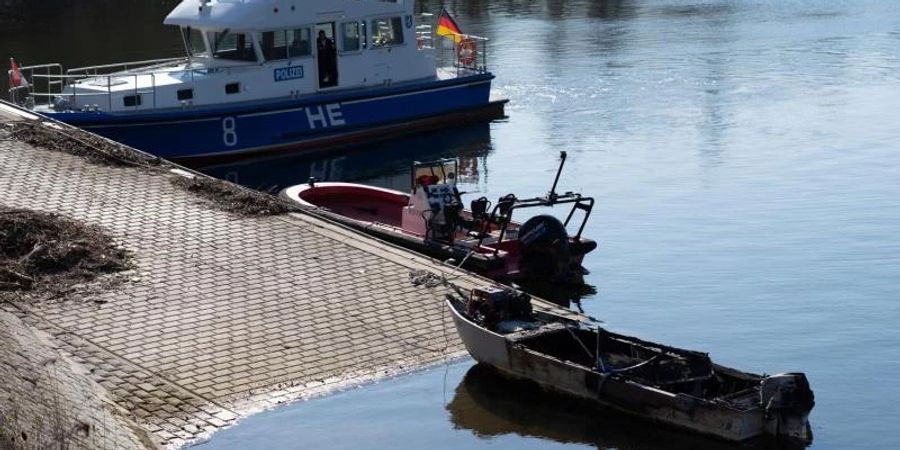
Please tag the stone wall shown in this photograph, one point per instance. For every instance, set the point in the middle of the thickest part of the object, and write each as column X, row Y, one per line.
column 47, row 401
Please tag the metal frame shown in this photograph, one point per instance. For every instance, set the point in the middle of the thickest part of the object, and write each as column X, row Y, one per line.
column 426, row 30
column 442, row 163
column 56, row 80
column 502, row 212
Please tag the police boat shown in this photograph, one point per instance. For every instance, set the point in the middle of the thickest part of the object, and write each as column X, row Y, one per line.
column 268, row 76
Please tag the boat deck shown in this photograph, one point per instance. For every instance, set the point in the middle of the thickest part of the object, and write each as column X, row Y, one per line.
column 225, row 314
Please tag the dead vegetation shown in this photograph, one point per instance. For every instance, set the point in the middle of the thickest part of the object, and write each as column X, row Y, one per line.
column 79, row 143
column 232, row 198
column 95, row 149
column 50, row 253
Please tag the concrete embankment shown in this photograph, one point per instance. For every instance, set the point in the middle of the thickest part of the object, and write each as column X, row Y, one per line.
column 48, row 401
column 228, row 309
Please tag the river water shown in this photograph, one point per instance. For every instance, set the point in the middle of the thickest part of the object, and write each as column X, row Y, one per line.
column 745, row 159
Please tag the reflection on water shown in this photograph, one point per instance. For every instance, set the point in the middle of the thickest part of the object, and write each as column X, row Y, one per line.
column 569, row 294
column 385, row 164
column 490, row 405
column 457, row 406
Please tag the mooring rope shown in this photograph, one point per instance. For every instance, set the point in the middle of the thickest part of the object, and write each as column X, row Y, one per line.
column 432, row 280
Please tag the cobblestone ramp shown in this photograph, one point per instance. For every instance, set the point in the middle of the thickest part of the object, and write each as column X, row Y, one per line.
column 225, row 313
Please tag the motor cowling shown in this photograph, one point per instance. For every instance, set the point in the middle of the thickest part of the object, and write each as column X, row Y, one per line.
column 788, row 392
column 544, row 246
column 787, row 400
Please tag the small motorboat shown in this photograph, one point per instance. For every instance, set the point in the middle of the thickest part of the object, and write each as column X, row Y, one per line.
column 483, row 238
column 663, row 384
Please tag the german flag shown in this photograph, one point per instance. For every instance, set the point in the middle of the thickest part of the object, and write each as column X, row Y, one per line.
column 446, row 26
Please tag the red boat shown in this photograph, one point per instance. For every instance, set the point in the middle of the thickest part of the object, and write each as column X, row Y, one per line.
column 484, row 238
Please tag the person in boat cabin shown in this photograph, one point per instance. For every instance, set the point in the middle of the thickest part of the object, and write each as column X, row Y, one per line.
column 327, row 57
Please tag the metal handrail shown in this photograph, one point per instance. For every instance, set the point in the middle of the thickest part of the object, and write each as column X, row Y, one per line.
column 480, row 64
column 56, row 81
column 124, row 66
column 41, row 66
column 29, row 71
column 75, row 94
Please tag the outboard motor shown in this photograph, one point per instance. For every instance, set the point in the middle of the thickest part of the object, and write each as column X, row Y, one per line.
column 544, row 244
column 787, row 400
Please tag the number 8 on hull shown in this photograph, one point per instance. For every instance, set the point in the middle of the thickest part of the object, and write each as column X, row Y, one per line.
column 265, row 76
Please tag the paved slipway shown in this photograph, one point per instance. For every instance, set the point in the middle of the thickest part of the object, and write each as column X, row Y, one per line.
column 225, row 314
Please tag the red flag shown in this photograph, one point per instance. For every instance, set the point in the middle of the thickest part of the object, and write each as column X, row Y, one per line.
column 15, row 75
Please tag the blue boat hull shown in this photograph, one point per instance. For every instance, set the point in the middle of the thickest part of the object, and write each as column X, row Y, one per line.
column 273, row 126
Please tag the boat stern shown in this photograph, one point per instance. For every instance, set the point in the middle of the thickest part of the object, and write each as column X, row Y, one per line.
column 787, row 401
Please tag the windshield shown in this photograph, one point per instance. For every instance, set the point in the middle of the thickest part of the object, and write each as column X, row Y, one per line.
column 193, row 42
column 228, row 45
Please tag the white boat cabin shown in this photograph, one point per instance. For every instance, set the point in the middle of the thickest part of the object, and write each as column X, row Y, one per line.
column 259, row 50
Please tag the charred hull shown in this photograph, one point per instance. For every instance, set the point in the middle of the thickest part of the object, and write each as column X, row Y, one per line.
column 662, row 384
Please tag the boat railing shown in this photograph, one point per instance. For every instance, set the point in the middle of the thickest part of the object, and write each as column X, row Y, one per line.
column 123, row 67
column 20, row 94
column 75, row 97
column 47, row 83
column 466, row 55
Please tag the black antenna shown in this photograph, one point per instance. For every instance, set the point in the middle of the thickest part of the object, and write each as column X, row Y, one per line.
column 552, row 195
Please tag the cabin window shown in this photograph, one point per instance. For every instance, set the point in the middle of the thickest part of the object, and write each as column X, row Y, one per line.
column 283, row 44
column 185, row 94
column 350, row 37
column 132, row 100
column 299, row 42
column 273, row 44
column 234, row 46
column 387, row 31
column 193, row 42
column 232, row 88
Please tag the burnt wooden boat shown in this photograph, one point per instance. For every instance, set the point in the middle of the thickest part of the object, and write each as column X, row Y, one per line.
column 663, row 384
column 484, row 238
column 491, row 405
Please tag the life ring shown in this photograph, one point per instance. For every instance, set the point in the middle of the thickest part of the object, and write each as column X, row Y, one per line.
column 466, row 52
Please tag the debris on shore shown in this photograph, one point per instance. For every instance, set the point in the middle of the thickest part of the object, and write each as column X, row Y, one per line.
column 49, row 253
column 80, row 143
column 233, row 198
